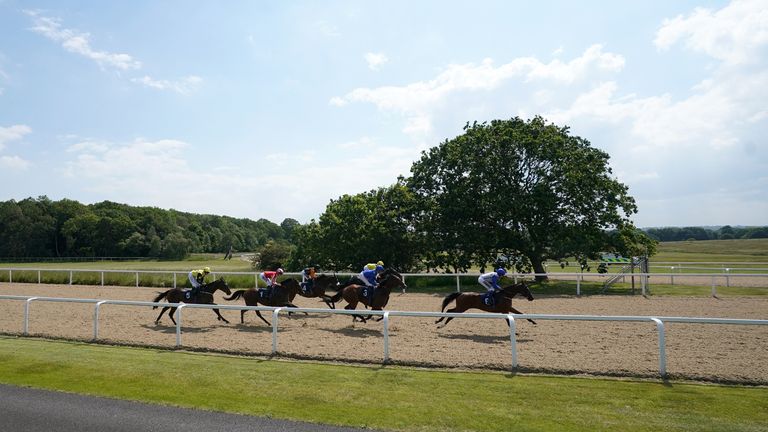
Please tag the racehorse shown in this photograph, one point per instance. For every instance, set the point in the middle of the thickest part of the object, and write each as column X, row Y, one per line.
column 280, row 296
column 353, row 294
column 204, row 296
column 465, row 301
column 321, row 283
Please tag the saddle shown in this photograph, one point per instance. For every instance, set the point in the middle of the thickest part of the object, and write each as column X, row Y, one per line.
column 265, row 293
column 307, row 286
column 489, row 298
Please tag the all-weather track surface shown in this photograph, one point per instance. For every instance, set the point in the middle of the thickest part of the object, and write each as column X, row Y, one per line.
column 708, row 352
column 32, row 410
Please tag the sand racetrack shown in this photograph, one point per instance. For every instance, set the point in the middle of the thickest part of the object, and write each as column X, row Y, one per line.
column 727, row 353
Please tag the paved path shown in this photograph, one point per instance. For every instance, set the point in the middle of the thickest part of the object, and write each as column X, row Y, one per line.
column 32, row 410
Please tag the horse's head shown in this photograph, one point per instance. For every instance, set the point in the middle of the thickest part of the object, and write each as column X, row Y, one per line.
column 222, row 285
column 518, row 288
column 393, row 280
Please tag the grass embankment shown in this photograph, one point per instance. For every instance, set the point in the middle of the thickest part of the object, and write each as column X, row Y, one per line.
column 379, row 397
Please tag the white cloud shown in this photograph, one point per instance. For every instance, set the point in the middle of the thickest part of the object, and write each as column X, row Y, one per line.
column 375, row 60
column 161, row 173
column 79, row 43
column 13, row 133
column 14, row 163
column 418, row 101
column 184, row 85
column 733, row 34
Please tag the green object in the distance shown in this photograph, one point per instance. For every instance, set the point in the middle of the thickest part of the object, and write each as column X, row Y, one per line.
column 391, row 398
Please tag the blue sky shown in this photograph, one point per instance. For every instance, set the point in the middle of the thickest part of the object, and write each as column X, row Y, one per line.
column 271, row 109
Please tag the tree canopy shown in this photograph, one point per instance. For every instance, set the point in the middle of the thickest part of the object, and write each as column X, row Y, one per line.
column 44, row 228
column 527, row 191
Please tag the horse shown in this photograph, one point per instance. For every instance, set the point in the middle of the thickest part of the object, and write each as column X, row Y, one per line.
column 204, row 296
column 353, row 294
column 465, row 301
column 321, row 283
column 280, row 296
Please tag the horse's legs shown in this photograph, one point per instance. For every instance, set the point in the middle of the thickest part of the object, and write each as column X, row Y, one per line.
column 157, row 321
column 221, row 318
column 353, row 306
column 447, row 320
column 327, row 300
column 242, row 316
column 262, row 318
column 511, row 309
column 170, row 314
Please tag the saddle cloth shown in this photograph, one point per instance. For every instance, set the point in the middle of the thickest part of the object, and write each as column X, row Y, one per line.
column 489, row 298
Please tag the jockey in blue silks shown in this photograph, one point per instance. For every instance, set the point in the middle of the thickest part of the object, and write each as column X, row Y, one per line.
column 369, row 277
column 491, row 280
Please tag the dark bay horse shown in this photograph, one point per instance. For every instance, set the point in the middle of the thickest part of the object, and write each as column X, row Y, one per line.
column 353, row 294
column 321, row 283
column 204, row 296
column 471, row 300
column 280, row 297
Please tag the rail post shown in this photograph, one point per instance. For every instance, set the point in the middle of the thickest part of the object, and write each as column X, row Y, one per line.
column 70, row 277
column 458, row 284
column 26, row 315
column 662, row 347
column 727, row 277
column 714, row 290
column 137, row 279
column 102, row 281
column 275, row 315
column 96, row 319
column 10, row 276
column 578, row 284
column 178, row 324
column 39, row 279
column 672, row 275
column 386, row 337
column 513, row 339
column 174, row 279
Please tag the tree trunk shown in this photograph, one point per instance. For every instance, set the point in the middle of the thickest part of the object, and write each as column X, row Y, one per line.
column 538, row 267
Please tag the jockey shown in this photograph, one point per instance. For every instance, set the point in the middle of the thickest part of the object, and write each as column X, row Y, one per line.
column 197, row 279
column 491, row 280
column 270, row 277
column 308, row 276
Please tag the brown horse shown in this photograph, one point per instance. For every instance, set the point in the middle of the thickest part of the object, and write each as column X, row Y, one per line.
column 353, row 294
column 466, row 301
column 321, row 283
column 204, row 296
column 280, row 297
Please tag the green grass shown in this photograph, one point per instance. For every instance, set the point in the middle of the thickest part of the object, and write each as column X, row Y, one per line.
column 379, row 397
column 740, row 250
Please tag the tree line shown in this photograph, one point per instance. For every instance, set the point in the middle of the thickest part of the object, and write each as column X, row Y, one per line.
column 40, row 227
column 726, row 232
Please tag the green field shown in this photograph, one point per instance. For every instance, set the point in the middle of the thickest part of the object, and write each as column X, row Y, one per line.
column 393, row 398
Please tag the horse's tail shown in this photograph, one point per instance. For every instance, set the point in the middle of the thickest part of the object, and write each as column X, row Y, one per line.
column 235, row 295
column 159, row 297
column 449, row 298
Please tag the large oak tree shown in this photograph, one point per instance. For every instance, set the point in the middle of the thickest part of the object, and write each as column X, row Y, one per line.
column 525, row 190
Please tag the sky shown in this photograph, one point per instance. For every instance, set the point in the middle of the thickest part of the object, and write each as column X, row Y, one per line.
column 271, row 109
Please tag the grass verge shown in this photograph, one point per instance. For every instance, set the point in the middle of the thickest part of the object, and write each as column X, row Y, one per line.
column 379, row 397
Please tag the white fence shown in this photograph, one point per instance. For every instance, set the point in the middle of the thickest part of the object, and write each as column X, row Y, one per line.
column 511, row 319
column 714, row 280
